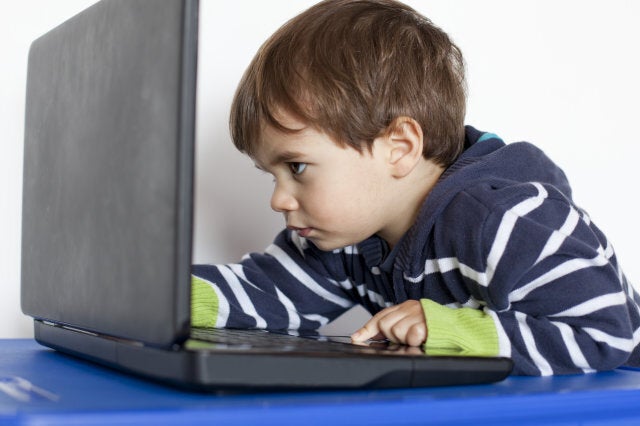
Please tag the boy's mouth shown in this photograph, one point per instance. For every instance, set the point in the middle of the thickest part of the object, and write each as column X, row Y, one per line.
column 303, row 232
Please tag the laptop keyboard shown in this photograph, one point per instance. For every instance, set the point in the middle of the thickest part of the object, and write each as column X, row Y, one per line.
column 233, row 339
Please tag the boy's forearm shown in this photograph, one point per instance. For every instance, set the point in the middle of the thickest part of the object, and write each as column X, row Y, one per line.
column 278, row 289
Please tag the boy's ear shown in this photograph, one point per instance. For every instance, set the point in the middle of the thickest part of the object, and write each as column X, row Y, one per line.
column 404, row 142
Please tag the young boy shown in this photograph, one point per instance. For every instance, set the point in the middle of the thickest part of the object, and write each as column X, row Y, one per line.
column 452, row 239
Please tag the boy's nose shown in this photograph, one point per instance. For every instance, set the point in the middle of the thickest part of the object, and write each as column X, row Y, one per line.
column 283, row 201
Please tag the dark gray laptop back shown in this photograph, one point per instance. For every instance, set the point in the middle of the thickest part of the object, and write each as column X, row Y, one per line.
column 109, row 125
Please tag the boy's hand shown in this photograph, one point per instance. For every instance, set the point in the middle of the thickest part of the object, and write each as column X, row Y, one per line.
column 403, row 323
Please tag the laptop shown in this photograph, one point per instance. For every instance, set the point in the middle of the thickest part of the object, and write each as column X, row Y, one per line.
column 107, row 220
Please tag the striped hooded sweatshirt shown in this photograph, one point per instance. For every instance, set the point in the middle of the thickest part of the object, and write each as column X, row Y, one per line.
column 502, row 260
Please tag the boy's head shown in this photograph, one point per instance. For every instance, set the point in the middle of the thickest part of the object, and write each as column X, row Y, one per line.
column 349, row 68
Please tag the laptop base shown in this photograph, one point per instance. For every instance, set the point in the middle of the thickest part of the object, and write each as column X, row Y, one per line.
column 262, row 370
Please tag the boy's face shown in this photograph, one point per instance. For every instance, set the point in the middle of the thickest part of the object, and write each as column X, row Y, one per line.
column 332, row 195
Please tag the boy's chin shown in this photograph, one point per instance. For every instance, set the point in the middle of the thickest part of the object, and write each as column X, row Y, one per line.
column 322, row 245
column 326, row 245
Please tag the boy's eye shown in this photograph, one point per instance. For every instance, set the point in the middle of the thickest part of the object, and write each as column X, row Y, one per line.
column 297, row 168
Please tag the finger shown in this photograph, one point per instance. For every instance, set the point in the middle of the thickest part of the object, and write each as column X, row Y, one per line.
column 409, row 330
column 406, row 325
column 368, row 331
column 417, row 334
column 389, row 326
column 371, row 330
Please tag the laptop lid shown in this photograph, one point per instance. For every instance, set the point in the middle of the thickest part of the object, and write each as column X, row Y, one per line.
column 108, row 166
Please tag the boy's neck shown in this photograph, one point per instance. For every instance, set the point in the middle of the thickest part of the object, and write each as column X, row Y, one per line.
column 407, row 198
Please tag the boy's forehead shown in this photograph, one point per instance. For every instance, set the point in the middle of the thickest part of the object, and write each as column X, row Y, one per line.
column 276, row 146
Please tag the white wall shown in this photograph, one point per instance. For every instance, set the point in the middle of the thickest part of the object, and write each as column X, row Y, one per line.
column 22, row 22
column 563, row 75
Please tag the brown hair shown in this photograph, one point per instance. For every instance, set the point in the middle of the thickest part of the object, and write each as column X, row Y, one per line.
column 349, row 68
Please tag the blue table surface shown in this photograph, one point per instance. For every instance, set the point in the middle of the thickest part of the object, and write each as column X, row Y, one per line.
column 65, row 390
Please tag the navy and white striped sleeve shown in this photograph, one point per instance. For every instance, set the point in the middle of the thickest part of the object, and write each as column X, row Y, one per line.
column 552, row 283
column 286, row 287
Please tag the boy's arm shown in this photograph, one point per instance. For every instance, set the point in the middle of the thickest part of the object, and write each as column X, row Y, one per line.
column 552, row 286
column 282, row 288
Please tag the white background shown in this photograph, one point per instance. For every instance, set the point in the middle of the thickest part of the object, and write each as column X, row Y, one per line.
column 561, row 74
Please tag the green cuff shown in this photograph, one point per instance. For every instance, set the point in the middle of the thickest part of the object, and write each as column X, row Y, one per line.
column 462, row 331
column 204, row 303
